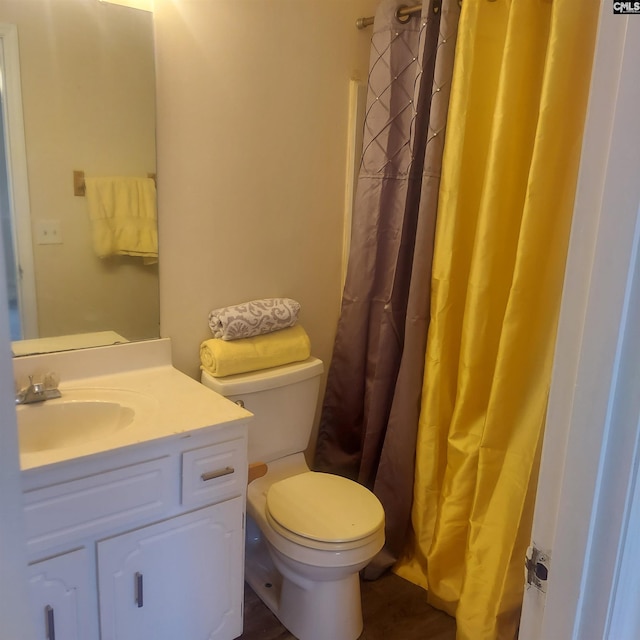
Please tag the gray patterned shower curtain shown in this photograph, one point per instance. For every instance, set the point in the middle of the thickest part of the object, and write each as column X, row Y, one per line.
column 370, row 411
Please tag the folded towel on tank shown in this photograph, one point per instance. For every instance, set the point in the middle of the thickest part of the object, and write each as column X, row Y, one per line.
column 253, row 318
column 225, row 357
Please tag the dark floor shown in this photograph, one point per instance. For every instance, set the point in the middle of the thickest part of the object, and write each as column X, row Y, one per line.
column 392, row 608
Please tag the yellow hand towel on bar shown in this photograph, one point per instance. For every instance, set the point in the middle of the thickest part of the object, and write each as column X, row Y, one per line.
column 227, row 357
column 124, row 218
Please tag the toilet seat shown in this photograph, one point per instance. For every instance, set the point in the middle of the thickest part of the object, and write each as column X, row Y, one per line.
column 324, row 511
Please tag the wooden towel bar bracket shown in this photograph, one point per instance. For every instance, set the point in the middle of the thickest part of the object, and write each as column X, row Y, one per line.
column 79, row 187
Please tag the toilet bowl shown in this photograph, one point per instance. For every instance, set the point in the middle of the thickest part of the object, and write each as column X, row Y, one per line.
column 308, row 534
column 306, row 548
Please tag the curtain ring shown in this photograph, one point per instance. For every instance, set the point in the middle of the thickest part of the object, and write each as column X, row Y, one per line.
column 436, row 6
column 402, row 19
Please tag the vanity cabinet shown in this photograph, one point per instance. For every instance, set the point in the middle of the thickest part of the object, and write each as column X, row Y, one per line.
column 140, row 543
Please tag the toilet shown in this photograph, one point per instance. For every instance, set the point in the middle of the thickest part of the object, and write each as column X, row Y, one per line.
column 308, row 534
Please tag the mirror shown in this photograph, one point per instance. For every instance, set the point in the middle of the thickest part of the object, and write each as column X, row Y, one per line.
column 86, row 70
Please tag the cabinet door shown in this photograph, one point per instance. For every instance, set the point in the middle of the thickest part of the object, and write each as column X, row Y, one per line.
column 61, row 599
column 180, row 578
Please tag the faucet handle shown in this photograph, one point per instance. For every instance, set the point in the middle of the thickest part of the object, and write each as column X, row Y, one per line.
column 51, row 380
column 37, row 387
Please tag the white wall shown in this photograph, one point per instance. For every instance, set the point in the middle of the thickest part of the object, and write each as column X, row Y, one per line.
column 253, row 102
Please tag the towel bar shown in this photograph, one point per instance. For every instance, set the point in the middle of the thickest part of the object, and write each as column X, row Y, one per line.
column 79, row 187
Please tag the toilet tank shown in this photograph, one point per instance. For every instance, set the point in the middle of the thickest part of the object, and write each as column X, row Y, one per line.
column 283, row 400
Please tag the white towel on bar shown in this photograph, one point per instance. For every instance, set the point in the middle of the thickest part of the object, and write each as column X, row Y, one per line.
column 253, row 318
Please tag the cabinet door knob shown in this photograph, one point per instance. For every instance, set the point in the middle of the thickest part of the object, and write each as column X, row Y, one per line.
column 218, row 473
column 139, row 589
column 50, row 623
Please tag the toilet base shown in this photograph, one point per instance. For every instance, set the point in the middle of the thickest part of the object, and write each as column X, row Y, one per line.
column 322, row 610
column 259, row 571
column 326, row 611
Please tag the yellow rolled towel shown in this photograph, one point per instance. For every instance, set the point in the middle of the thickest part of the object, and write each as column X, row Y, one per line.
column 225, row 358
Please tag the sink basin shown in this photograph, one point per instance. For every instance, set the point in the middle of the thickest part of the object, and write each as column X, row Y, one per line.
column 77, row 417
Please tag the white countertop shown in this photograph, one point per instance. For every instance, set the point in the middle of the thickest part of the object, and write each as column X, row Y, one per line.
column 170, row 404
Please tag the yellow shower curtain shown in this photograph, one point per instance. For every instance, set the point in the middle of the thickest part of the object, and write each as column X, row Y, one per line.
column 514, row 133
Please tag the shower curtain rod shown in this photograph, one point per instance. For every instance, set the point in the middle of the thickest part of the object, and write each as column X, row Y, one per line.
column 402, row 12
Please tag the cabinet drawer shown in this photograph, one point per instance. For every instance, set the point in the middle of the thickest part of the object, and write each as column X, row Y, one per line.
column 213, row 473
column 71, row 510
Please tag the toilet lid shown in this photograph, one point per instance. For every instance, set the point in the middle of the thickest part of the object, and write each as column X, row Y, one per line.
column 324, row 507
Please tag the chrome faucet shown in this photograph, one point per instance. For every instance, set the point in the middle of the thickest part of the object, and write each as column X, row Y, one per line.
column 39, row 391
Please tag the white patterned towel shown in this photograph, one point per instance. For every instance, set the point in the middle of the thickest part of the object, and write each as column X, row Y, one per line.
column 253, row 318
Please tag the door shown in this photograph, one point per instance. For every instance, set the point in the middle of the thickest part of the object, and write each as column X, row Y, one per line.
column 590, row 448
column 180, row 578
column 59, row 597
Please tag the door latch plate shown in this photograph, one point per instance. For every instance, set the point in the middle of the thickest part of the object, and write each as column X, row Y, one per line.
column 537, row 568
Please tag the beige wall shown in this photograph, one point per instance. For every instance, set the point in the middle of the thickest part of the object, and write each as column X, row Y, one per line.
column 252, row 131
column 88, row 96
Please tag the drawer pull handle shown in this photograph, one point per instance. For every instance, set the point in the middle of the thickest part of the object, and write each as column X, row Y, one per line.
column 218, row 473
column 139, row 589
column 51, row 625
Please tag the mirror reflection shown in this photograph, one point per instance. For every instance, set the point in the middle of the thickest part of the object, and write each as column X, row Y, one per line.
column 84, row 100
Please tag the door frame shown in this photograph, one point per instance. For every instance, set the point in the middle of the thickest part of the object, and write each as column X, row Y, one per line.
column 18, row 182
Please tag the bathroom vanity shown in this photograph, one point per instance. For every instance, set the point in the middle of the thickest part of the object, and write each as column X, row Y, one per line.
column 138, row 532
